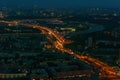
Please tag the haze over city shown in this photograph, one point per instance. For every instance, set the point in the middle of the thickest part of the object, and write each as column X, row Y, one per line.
column 61, row 3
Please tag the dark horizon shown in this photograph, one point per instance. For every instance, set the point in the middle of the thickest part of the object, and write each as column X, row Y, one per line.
column 76, row 4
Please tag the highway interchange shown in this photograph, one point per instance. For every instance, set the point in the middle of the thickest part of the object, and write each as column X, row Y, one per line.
column 105, row 70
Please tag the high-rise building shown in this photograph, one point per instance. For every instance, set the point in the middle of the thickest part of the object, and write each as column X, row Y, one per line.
column 90, row 42
column 1, row 15
column 118, row 61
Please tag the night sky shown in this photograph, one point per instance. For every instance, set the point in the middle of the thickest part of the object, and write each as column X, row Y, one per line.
column 61, row 3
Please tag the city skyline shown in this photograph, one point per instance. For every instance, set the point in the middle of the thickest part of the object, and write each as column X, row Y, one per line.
column 59, row 40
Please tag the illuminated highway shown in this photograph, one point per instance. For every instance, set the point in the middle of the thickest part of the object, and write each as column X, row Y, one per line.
column 105, row 70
